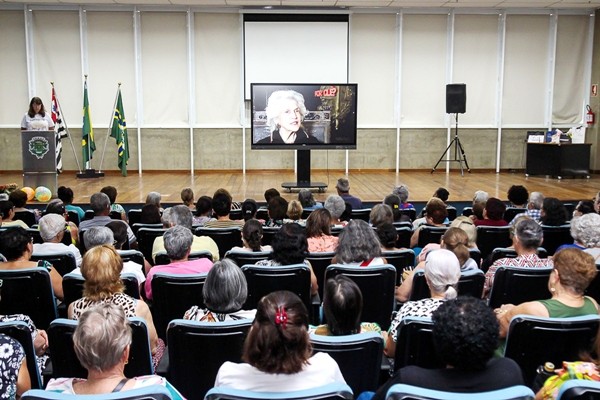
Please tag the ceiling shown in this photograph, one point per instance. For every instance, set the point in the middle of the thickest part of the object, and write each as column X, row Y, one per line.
column 382, row 5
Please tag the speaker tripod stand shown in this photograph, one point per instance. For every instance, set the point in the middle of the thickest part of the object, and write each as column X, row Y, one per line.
column 458, row 157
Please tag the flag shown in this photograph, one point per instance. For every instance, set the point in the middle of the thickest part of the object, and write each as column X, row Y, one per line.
column 60, row 130
column 119, row 132
column 87, row 132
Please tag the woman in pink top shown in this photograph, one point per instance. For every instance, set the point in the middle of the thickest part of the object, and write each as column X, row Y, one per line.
column 318, row 232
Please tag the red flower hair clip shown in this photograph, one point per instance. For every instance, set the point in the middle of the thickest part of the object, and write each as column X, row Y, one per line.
column 281, row 317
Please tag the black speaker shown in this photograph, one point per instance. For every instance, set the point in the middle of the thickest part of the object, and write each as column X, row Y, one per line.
column 456, row 98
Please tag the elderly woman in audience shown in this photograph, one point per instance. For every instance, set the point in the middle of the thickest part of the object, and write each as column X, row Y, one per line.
column 252, row 234
column 150, row 214
column 318, row 232
column 101, row 268
column 342, row 307
column 290, row 247
column 52, row 230
column 178, row 243
column 585, row 231
column 526, row 239
column 358, row 245
column 154, row 198
column 307, row 200
column 479, row 199
column 468, row 227
column 336, row 207
column 294, row 212
column 7, row 215
column 402, row 192
column 17, row 247
column 442, row 272
column 465, row 335
column 381, row 213
column 203, row 212
column 102, row 341
column 278, row 352
column 553, row 212
column 388, row 236
column 492, row 213
column 225, row 292
column 573, row 271
column 66, row 195
column 14, row 376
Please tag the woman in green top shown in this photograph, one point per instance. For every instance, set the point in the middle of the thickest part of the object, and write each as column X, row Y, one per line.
column 573, row 271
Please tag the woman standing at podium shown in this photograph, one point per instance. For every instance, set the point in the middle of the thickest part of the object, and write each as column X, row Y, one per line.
column 37, row 119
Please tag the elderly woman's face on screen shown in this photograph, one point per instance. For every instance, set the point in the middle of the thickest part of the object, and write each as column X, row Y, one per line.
column 290, row 118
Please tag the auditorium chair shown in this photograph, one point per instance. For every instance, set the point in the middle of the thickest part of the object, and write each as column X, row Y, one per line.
column 408, row 392
column 511, row 212
column 400, row 259
column 225, row 238
column 152, row 392
column 491, row 237
column 19, row 331
column 134, row 216
column 579, row 389
column 361, row 213
column 26, row 216
column 430, row 234
column 404, row 234
column 64, row 262
column 556, row 236
column 516, row 285
column 470, row 284
column 414, row 344
column 248, row 257
column 145, row 241
column 319, row 261
column 331, row 391
column 73, row 287
column 162, row 258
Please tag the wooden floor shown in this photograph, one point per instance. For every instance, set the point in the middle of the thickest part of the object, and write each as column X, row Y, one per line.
column 369, row 186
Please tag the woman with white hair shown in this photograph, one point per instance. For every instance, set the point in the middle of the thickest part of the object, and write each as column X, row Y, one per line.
column 442, row 272
column 102, row 341
column 285, row 113
column 52, row 230
column 336, row 207
column 585, row 231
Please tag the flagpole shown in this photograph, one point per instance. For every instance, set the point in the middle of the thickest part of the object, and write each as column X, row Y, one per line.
column 88, row 163
column 110, row 125
column 89, row 172
column 62, row 115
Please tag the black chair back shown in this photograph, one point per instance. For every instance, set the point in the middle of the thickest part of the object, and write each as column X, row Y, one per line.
column 532, row 341
column 451, row 213
column 431, row 234
column 516, row 285
column 73, row 217
column 319, row 262
column 134, row 216
column 475, row 254
column 19, row 330
column 65, row 361
column 132, row 255
column 173, row 295
column 145, row 240
column 29, row 292
column 225, row 238
column 247, row 257
column 63, row 262
column 404, row 235
column 89, row 214
column 162, row 258
column 72, row 285
column 268, row 233
column 263, row 280
column 511, row 212
column 358, row 356
column 135, row 227
column 411, row 213
column 26, row 216
column 490, row 237
column 470, row 283
column 556, row 236
column 414, row 345
column 377, row 284
column 361, row 213
column 400, row 259
column 198, row 349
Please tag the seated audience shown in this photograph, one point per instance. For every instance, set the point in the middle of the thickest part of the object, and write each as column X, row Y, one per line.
column 436, row 214
column 380, row 214
column 111, row 192
column 526, row 239
column 585, row 231
column 584, row 207
column 342, row 307
column 597, row 202
column 7, row 215
column 252, row 234
column 290, row 247
column 394, row 203
column 249, row 209
column 573, row 271
column 57, row 206
column 442, row 194
column 52, row 231
column 39, row 337
column 100, row 204
column 343, row 190
column 336, row 207
column 14, row 376
column 225, row 292
column 388, row 236
column 270, row 193
column 402, row 192
column 178, row 243
column 278, row 352
column 150, row 214
column 534, row 208
column 358, row 245
column 468, row 227
column 154, row 198
column 277, row 211
column 307, row 200
column 518, row 196
column 465, row 335
column 17, row 247
column 442, row 272
column 553, row 212
column 318, row 232
column 493, row 213
column 181, row 215
column 221, row 205
column 19, row 199
column 102, row 341
column 294, row 212
column 187, row 197
column 478, row 205
column 66, row 195
column 101, row 268
column 203, row 212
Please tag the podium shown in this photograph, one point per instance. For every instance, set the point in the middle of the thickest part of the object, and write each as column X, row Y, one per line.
column 39, row 159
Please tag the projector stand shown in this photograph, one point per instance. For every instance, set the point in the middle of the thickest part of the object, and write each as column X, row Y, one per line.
column 460, row 158
column 303, row 175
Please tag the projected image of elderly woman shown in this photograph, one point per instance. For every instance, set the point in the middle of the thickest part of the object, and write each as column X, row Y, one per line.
column 285, row 113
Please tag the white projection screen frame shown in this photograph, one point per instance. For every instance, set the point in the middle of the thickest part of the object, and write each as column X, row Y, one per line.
column 295, row 48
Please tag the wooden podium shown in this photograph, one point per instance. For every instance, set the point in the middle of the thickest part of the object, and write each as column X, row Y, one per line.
column 39, row 159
